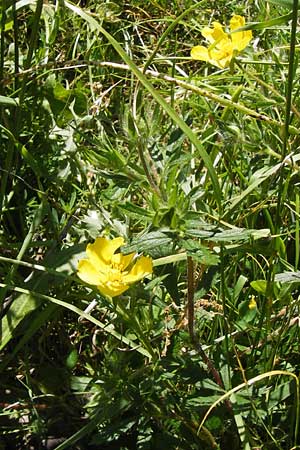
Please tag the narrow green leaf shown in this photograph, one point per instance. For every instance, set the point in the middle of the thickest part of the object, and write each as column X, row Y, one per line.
column 135, row 211
column 23, row 305
column 267, row 23
column 8, row 101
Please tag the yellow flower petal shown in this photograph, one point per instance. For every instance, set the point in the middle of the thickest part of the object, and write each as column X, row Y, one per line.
column 214, row 34
column 112, row 289
column 222, row 55
column 200, row 53
column 241, row 39
column 87, row 272
column 236, row 22
column 121, row 260
column 220, row 58
column 141, row 268
column 101, row 251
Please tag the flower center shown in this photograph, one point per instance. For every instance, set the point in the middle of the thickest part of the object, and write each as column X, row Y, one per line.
column 117, row 266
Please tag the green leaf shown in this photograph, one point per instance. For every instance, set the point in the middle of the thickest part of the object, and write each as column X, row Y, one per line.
column 280, row 393
column 135, row 211
column 259, row 286
column 32, row 326
column 235, row 234
column 55, row 301
column 8, row 101
column 23, row 305
column 80, row 383
column 151, row 243
column 31, row 161
column 200, row 253
column 72, row 359
column 61, row 99
column 246, row 311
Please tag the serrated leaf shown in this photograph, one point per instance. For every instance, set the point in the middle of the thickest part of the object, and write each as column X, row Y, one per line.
column 148, row 243
column 237, row 234
column 240, row 235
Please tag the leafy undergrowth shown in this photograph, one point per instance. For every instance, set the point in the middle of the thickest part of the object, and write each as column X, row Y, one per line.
column 109, row 128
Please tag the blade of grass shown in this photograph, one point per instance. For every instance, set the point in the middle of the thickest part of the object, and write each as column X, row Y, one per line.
column 290, row 80
column 21, row 306
column 289, row 89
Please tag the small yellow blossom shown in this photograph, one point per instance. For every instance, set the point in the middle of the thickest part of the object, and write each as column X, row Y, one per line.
column 223, row 45
column 112, row 272
column 252, row 303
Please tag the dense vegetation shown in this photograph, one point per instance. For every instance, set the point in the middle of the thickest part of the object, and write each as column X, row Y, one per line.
column 109, row 128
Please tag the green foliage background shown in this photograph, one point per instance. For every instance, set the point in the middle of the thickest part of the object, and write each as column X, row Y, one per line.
column 109, row 128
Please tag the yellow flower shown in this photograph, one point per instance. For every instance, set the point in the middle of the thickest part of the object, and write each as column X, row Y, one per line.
column 223, row 45
column 112, row 272
column 252, row 303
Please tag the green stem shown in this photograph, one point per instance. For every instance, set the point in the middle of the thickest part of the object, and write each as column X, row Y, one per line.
column 16, row 46
column 287, row 126
column 2, row 44
column 34, row 33
column 132, row 321
column 290, row 80
column 190, row 297
column 297, row 234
